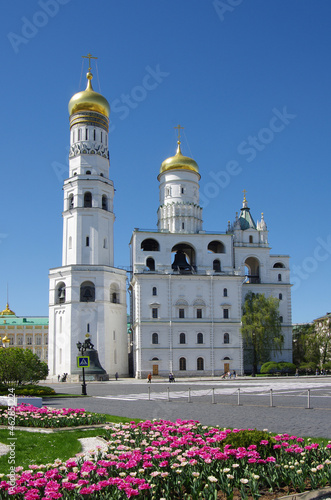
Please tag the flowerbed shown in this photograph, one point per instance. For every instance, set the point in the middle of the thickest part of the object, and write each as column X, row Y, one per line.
column 181, row 460
column 31, row 416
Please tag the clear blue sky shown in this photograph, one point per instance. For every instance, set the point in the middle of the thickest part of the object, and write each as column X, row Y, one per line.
column 250, row 83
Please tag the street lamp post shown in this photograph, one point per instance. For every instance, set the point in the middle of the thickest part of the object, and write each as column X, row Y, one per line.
column 82, row 347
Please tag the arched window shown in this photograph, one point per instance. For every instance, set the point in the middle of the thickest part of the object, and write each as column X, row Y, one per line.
column 87, row 241
column 87, row 200
column 226, row 338
column 88, row 172
column 150, row 245
column 184, row 258
column 200, row 338
column 60, row 296
column 281, row 319
column 279, row 277
column 154, row 290
column 217, row 266
column 278, row 265
column 182, row 338
column 216, row 247
column 86, row 134
column 71, row 201
column 104, row 202
column 150, row 263
column 251, row 239
column 280, row 296
column 182, row 364
column 87, row 292
column 225, row 292
column 200, row 364
column 114, row 293
column 155, row 338
column 252, row 271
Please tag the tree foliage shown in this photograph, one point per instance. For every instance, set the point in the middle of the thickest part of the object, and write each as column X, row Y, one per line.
column 281, row 367
column 306, row 353
column 261, row 328
column 21, row 366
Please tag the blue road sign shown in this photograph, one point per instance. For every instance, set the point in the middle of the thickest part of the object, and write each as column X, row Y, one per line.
column 83, row 361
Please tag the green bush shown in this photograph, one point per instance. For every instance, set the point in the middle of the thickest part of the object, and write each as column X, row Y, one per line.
column 28, row 390
column 246, row 438
column 269, row 367
column 307, row 367
column 282, row 367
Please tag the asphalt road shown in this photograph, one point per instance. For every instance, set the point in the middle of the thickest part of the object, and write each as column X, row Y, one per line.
column 214, row 402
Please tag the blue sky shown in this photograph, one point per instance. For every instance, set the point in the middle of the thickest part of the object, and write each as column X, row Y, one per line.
column 249, row 80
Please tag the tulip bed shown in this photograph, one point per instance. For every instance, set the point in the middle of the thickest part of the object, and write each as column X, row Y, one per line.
column 177, row 460
column 30, row 416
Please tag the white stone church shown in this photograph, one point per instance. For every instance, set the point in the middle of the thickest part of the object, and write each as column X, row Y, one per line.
column 187, row 286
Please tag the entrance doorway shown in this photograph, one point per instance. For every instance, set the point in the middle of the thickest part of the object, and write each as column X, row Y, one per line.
column 155, row 369
column 226, row 367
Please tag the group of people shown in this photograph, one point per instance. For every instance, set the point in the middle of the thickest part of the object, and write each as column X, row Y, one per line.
column 229, row 374
column 62, row 378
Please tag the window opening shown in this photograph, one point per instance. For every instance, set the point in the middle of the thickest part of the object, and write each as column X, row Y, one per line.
column 155, row 338
column 154, row 312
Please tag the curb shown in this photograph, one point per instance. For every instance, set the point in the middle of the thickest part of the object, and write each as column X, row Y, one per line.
column 309, row 495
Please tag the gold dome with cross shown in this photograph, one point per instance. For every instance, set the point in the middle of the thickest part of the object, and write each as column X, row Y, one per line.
column 179, row 162
column 88, row 99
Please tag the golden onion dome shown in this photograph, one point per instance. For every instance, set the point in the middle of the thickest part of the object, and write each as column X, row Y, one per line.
column 7, row 311
column 179, row 162
column 88, row 100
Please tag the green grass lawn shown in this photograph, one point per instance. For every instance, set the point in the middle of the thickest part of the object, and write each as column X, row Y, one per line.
column 41, row 448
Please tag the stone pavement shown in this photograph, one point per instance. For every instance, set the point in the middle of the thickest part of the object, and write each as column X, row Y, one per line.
column 214, row 402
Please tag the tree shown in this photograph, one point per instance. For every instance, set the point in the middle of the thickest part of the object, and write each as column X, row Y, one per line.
column 306, row 351
column 323, row 338
column 21, row 366
column 261, row 328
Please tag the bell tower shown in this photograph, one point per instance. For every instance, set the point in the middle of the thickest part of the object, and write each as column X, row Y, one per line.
column 179, row 210
column 87, row 294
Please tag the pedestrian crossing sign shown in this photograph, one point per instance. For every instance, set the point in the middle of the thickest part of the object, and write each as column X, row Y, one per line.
column 83, row 361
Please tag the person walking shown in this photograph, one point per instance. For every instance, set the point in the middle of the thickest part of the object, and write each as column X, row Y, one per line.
column 116, row 376
column 149, row 378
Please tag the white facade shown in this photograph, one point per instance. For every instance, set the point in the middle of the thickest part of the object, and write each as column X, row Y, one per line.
column 87, row 294
column 188, row 286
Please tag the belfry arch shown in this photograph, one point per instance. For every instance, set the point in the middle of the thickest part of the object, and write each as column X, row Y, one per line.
column 252, row 270
column 184, row 258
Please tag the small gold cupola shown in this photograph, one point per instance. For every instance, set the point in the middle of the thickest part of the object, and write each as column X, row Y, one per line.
column 7, row 311
column 179, row 162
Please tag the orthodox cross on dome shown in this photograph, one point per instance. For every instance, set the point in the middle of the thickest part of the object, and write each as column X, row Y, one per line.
column 244, row 191
column 178, row 127
column 89, row 57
